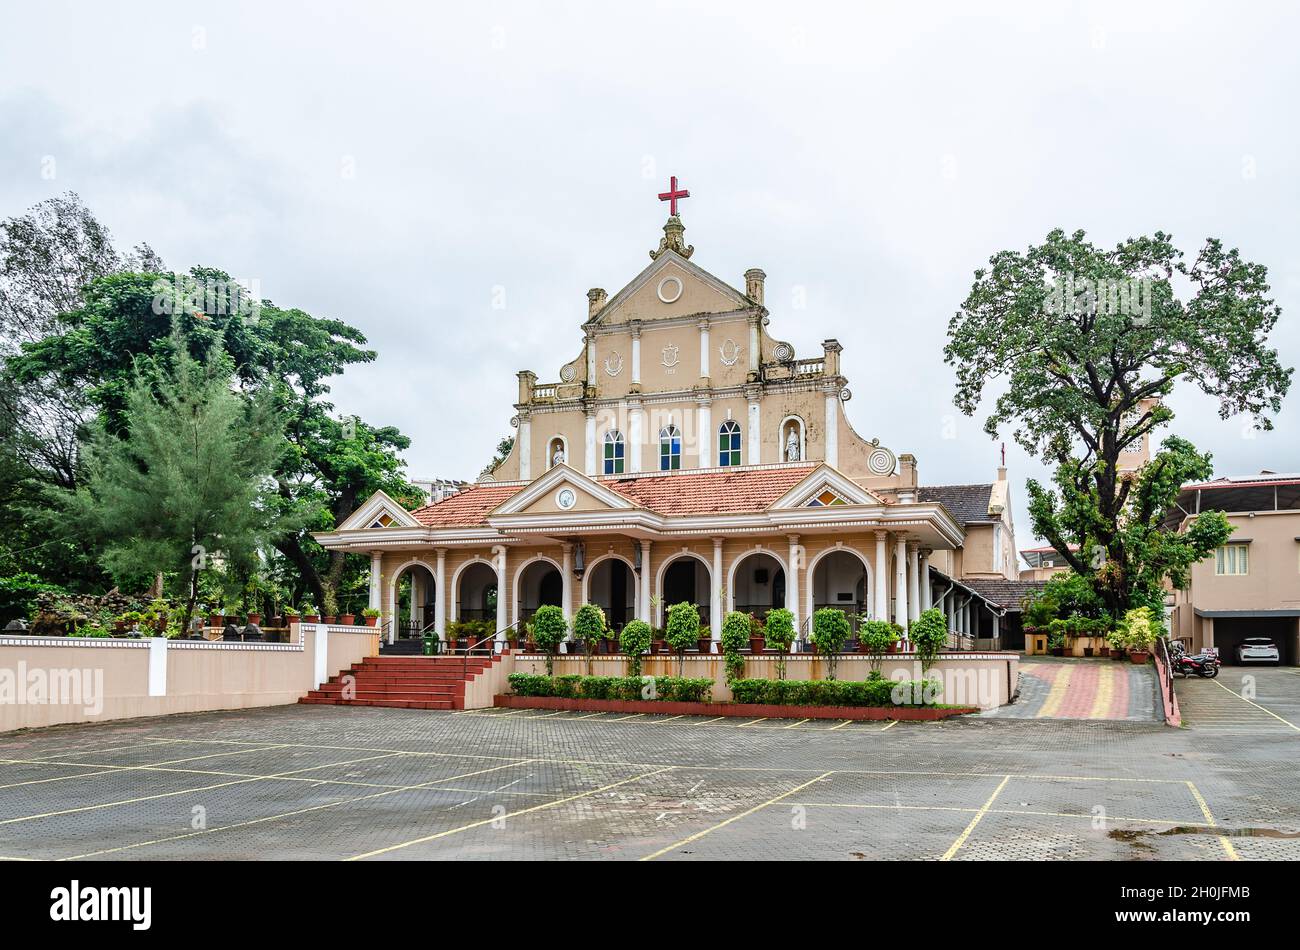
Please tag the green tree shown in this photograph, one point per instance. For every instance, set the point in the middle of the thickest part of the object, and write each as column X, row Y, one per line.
column 735, row 637
column 588, row 628
column 929, row 633
column 830, row 628
column 634, row 639
column 191, row 480
column 779, row 634
column 682, row 631
column 1084, row 342
column 549, row 631
column 879, row 636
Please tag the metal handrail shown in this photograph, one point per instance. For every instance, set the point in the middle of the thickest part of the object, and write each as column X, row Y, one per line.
column 470, row 647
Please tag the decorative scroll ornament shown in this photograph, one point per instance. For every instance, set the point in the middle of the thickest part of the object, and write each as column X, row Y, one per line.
column 614, row 363
column 674, row 239
column 514, row 422
column 729, row 352
column 568, row 374
column 881, row 461
column 783, row 352
column 671, row 355
column 846, row 394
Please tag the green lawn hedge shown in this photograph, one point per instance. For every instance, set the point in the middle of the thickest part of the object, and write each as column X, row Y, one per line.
column 631, row 688
column 873, row 692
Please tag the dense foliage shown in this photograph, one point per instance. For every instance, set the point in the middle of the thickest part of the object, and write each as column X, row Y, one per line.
column 549, row 630
column 735, row 638
column 830, row 631
column 929, row 635
column 870, row 692
column 634, row 639
column 628, row 688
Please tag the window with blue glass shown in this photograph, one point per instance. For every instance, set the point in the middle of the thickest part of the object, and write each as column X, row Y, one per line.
column 670, row 448
column 729, row 443
column 615, row 449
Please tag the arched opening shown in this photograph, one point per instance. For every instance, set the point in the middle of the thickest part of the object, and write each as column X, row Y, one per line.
column 612, row 585
column 758, row 584
column 685, row 579
column 557, row 451
column 415, row 603
column 476, row 595
column 540, row 584
column 794, row 443
column 840, row 580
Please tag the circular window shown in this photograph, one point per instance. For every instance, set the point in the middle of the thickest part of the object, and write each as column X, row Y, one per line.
column 670, row 288
column 566, row 498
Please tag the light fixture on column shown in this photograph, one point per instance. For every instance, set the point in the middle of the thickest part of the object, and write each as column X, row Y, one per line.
column 636, row 559
column 579, row 559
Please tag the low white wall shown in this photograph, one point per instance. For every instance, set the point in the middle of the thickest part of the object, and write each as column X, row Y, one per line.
column 46, row 681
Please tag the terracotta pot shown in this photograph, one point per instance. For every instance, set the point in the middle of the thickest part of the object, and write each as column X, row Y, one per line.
column 372, row 621
column 255, row 618
column 530, row 646
column 1138, row 657
column 348, row 619
column 1105, row 651
column 862, row 647
column 311, row 618
column 1087, row 651
column 1116, row 654
column 216, row 620
column 893, row 647
column 704, row 644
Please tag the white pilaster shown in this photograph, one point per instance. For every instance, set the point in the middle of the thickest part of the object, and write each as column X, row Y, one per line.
column 376, row 585
column 704, row 349
column 440, row 598
column 715, row 592
column 792, row 584
column 755, row 345
column 635, row 436
column 704, row 425
column 525, row 456
column 566, row 600
column 927, row 592
column 503, row 598
column 644, row 583
column 900, row 582
column 591, row 359
column 832, row 429
column 913, row 583
column 882, row 577
column 755, row 454
column 636, row 355
column 590, row 468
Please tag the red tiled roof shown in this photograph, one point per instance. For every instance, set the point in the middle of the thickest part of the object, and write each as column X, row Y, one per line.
column 467, row 508
column 711, row 492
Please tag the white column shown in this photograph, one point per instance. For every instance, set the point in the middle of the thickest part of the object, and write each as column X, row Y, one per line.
column 704, row 425
column 590, row 468
column 704, row 349
column 900, row 582
column 376, row 580
column 566, row 569
column 440, row 596
column 591, row 359
column 415, row 596
column 950, row 608
column 755, row 454
column 755, row 345
column 913, row 583
column 645, row 582
column 882, row 577
column 927, row 593
column 636, row 356
column 715, row 592
column 503, row 598
column 635, row 423
column 832, row 429
column 792, row 582
column 525, row 454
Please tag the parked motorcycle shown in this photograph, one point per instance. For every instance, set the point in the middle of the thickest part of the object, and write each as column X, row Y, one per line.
column 1205, row 664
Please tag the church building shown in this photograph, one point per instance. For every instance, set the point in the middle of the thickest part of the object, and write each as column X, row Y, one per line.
column 686, row 453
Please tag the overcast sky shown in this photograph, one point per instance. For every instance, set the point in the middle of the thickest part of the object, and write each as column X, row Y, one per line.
column 402, row 169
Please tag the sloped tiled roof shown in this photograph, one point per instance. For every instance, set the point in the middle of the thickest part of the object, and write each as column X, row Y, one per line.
column 709, row 492
column 467, row 508
column 966, row 502
column 1001, row 591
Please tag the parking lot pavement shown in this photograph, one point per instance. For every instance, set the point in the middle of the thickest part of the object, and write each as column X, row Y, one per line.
column 320, row 782
column 1055, row 688
column 1243, row 698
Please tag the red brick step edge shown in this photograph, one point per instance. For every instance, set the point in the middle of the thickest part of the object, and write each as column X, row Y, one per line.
column 743, row 710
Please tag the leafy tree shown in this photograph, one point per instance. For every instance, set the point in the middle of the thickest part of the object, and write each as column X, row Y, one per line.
column 682, row 631
column 735, row 637
column 549, row 631
column 588, row 628
column 829, row 631
column 191, row 480
column 634, row 639
column 879, row 636
column 779, row 634
column 1085, row 343
column 929, row 632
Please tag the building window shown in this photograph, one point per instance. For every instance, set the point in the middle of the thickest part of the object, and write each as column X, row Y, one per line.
column 826, row 499
column 729, row 443
column 670, row 448
column 1232, row 559
column 614, row 451
column 383, row 521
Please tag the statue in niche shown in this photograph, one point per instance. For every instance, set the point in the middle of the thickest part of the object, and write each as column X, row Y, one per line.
column 558, row 457
column 792, row 452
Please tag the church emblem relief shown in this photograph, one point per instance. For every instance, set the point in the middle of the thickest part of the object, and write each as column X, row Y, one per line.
column 614, row 363
column 729, row 352
column 671, row 355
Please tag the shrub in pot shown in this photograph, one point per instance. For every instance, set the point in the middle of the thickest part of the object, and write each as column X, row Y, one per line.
column 588, row 629
column 778, row 634
column 757, row 639
column 549, row 630
column 929, row 634
column 683, row 631
column 372, row 616
column 1140, row 629
column 830, row 628
column 876, row 638
column 735, row 635
column 347, row 619
column 634, row 640
column 309, row 614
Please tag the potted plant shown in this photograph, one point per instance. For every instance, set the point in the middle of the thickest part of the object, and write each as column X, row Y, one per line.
column 1139, row 631
column 779, row 634
column 876, row 638
column 255, row 618
column 898, row 636
column 291, row 616
column 1116, row 638
column 216, row 619
column 1056, row 633
column 634, row 640
column 530, row 645
column 348, row 620
column 930, row 634
column 735, row 634
column 682, row 631
column 704, row 640
column 756, row 636
column 588, row 629
column 830, row 628
column 372, row 616
column 550, row 629
column 309, row 614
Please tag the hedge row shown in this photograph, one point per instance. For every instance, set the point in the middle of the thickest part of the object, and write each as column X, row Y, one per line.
column 676, row 689
column 872, row 692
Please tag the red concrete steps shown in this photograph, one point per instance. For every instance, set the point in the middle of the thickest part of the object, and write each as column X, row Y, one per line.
column 402, row 682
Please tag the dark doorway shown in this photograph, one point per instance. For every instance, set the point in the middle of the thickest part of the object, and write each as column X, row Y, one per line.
column 551, row 590
column 679, row 582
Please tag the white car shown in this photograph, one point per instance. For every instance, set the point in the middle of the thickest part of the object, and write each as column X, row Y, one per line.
column 1258, row 650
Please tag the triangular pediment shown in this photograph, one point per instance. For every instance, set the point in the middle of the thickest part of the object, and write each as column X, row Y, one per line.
column 379, row 511
column 825, row 487
column 671, row 287
column 561, row 491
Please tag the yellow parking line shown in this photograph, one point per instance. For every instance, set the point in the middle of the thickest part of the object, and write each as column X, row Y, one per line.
column 754, row 723
column 1228, row 849
column 623, row 718
column 548, row 715
column 793, row 724
column 722, row 824
column 707, row 721
column 661, row 721
column 1257, row 706
column 841, row 725
column 892, row 724
column 506, row 817
column 961, row 839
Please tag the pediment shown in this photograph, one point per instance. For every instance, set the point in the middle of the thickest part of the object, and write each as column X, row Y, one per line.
column 379, row 511
column 825, row 487
column 671, row 287
column 561, row 491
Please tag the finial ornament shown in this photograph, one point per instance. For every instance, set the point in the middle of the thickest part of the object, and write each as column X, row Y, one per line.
column 673, row 240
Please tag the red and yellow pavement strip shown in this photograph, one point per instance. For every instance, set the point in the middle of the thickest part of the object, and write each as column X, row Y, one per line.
column 1083, row 690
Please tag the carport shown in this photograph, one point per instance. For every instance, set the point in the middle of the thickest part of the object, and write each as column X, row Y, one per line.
column 1226, row 628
